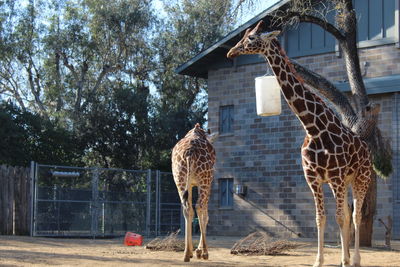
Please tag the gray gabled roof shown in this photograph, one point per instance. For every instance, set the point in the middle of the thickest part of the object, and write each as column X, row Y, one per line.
column 199, row 65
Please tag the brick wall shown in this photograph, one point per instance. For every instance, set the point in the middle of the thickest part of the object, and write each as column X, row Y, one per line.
column 263, row 153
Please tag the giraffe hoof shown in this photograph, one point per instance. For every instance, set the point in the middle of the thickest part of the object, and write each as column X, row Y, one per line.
column 198, row 253
column 186, row 258
column 356, row 261
column 205, row 256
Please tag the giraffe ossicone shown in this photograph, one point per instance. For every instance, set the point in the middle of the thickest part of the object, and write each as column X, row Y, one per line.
column 331, row 152
column 193, row 159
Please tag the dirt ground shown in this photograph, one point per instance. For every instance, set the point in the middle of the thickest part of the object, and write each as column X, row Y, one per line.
column 34, row 251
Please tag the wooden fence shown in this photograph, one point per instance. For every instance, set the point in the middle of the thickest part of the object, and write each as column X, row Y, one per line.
column 15, row 200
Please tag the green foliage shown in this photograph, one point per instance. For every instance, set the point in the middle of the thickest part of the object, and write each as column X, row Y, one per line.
column 382, row 159
column 25, row 136
column 114, row 131
column 12, row 136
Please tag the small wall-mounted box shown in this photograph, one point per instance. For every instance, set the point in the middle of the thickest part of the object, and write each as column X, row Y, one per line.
column 240, row 189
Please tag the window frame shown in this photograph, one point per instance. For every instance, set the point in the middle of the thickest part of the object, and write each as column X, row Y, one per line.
column 226, row 187
column 226, row 115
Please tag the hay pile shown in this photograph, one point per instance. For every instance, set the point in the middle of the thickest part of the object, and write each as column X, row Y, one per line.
column 168, row 243
column 259, row 243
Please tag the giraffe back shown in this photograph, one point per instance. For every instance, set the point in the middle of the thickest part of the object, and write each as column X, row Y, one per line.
column 193, row 157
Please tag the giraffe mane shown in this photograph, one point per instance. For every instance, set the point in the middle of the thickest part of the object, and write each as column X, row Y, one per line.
column 291, row 67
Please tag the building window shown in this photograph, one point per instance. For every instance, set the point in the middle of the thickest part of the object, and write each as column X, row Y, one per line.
column 226, row 192
column 226, row 119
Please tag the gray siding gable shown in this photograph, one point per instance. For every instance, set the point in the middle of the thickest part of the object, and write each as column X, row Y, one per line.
column 375, row 26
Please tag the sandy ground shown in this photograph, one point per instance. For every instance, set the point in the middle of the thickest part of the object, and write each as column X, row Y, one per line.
column 29, row 251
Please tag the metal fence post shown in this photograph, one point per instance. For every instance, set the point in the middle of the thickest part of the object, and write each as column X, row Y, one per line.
column 148, row 202
column 35, row 197
column 95, row 196
column 157, row 202
column 32, row 195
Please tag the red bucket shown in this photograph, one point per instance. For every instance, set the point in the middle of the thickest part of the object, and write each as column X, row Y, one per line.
column 132, row 239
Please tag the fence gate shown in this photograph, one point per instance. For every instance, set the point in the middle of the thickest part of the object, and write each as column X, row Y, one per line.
column 74, row 201
column 169, row 217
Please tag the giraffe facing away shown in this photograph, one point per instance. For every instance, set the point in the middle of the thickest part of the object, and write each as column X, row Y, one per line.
column 331, row 152
column 193, row 159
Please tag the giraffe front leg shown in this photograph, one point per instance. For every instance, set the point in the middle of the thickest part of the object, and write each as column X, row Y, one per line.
column 320, row 220
column 357, row 222
column 343, row 220
column 320, row 217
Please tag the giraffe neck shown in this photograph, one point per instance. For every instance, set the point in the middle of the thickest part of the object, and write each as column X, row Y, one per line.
column 307, row 106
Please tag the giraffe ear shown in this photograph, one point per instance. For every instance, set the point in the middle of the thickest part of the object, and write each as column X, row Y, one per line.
column 275, row 33
column 212, row 137
column 269, row 35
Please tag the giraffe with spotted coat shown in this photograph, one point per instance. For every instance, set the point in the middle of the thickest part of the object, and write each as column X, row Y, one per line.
column 193, row 159
column 331, row 152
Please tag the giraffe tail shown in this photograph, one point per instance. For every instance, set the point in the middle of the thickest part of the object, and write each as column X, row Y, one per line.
column 185, row 195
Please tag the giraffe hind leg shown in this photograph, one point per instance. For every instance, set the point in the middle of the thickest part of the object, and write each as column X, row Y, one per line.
column 202, row 213
column 188, row 213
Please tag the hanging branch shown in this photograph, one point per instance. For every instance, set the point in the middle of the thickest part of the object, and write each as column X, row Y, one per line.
column 328, row 90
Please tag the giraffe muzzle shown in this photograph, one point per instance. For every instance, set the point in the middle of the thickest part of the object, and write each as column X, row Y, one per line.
column 232, row 54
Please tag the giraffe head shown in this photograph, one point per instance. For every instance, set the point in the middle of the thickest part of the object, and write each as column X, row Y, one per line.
column 253, row 42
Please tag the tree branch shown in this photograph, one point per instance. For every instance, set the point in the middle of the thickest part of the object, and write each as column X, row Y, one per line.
column 329, row 91
column 106, row 69
column 14, row 91
column 320, row 22
column 69, row 66
column 13, row 87
column 79, row 84
column 35, row 91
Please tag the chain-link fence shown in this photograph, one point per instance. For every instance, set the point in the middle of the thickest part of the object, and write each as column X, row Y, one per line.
column 74, row 201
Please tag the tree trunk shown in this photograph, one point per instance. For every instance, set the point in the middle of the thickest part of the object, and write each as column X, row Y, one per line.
column 368, row 213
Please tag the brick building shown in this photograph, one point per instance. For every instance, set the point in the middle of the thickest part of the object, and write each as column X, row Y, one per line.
column 263, row 153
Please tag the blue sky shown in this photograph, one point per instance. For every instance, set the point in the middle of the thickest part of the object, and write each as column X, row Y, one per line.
column 247, row 12
column 250, row 12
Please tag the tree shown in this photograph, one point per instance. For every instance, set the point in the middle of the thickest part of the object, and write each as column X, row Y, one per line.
column 57, row 59
column 357, row 111
column 115, row 133
column 189, row 27
column 69, row 61
column 25, row 136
